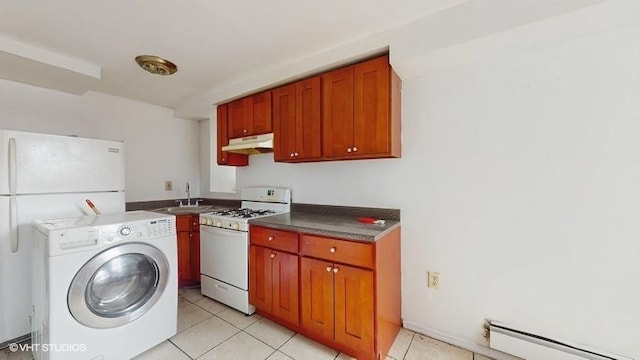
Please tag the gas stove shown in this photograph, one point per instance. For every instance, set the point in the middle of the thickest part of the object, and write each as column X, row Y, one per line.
column 256, row 203
column 224, row 245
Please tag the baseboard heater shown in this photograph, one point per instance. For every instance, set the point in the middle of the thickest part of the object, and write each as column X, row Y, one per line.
column 531, row 346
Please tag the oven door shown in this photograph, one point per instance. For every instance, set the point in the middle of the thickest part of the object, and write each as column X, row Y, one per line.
column 224, row 255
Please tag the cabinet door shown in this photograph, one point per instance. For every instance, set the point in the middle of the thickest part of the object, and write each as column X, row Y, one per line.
column 225, row 158
column 308, row 119
column 284, row 277
column 337, row 112
column 354, row 307
column 239, row 116
column 297, row 121
column 184, row 269
column 260, row 287
column 316, row 279
column 284, row 122
column 260, row 119
column 371, row 117
column 194, row 250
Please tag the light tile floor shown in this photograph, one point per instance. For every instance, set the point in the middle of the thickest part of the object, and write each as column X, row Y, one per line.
column 220, row 332
column 210, row 330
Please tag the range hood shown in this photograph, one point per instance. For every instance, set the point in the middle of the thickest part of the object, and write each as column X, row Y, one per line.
column 257, row 144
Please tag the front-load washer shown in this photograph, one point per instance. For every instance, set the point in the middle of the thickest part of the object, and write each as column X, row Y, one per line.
column 105, row 286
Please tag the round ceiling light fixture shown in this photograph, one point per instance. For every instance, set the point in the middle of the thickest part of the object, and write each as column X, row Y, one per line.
column 156, row 65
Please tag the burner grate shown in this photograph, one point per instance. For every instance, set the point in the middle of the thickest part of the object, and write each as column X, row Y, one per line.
column 242, row 213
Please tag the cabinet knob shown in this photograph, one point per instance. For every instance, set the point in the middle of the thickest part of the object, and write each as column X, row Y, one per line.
column 355, row 148
column 335, row 270
column 270, row 238
column 190, row 235
column 328, row 268
column 244, row 131
column 296, row 154
column 348, row 150
column 224, row 160
column 273, row 255
column 292, row 155
column 333, row 249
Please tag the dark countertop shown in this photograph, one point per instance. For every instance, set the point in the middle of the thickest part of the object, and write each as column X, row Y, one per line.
column 338, row 226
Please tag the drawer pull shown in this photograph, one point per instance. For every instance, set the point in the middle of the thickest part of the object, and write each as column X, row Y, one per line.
column 270, row 238
column 335, row 270
column 273, row 255
column 328, row 268
column 333, row 249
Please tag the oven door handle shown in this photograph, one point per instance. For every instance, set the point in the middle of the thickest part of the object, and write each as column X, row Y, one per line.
column 220, row 231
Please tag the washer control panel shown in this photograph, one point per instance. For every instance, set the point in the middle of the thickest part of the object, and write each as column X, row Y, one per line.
column 86, row 233
column 139, row 230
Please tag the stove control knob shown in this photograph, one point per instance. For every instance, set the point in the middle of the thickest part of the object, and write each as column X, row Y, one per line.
column 124, row 231
column 203, row 221
column 219, row 223
column 235, row 226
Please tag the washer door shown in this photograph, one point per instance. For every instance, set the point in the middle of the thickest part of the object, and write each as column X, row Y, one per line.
column 118, row 285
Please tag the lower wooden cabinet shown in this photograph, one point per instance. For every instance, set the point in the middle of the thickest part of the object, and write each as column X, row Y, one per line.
column 349, row 295
column 188, row 234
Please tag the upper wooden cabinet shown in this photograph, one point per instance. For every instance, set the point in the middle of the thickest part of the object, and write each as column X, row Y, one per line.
column 250, row 115
column 349, row 113
column 297, row 121
column 225, row 158
column 361, row 111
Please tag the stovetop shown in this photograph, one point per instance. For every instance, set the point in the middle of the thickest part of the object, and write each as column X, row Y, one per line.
column 256, row 202
column 241, row 213
column 234, row 219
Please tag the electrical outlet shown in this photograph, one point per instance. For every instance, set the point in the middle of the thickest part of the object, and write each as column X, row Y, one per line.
column 168, row 185
column 433, row 280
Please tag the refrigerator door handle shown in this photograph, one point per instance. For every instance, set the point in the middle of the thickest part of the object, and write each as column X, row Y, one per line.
column 13, row 223
column 13, row 176
column 13, row 204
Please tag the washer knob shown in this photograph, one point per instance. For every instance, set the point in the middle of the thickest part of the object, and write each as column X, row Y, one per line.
column 125, row 231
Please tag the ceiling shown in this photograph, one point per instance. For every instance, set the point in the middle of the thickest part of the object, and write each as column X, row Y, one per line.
column 81, row 45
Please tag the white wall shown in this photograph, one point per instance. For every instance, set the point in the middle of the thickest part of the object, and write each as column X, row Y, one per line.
column 519, row 183
column 218, row 182
column 158, row 145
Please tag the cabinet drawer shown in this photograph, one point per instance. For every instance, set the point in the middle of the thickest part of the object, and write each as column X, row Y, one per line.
column 275, row 239
column 347, row 252
column 183, row 223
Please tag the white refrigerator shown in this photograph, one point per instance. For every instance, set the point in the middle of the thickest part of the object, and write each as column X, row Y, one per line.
column 43, row 177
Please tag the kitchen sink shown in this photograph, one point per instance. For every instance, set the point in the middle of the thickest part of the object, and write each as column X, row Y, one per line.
column 181, row 210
